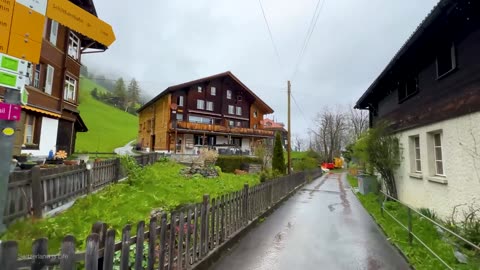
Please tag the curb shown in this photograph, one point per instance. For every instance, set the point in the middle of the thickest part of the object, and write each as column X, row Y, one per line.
column 216, row 253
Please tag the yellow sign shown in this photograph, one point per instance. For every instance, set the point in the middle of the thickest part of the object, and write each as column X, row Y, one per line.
column 4, row 37
column 8, row 131
column 24, row 48
column 27, row 23
column 6, row 13
column 76, row 18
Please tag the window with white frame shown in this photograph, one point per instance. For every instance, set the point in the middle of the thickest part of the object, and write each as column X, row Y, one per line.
column 73, row 46
column 180, row 101
column 231, row 123
column 70, row 89
column 231, row 109
column 199, row 89
column 29, row 129
column 53, row 32
column 437, row 153
column 36, row 76
column 239, row 110
column 229, row 94
column 446, row 60
column 213, row 91
column 209, row 106
column 416, row 157
column 200, row 104
column 255, row 114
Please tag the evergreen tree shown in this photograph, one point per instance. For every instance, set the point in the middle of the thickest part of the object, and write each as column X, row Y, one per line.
column 278, row 160
column 120, row 94
column 133, row 95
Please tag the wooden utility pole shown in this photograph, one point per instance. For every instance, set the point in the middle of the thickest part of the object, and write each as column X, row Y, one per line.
column 289, row 135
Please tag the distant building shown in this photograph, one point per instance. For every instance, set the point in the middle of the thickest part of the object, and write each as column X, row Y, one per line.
column 430, row 91
column 51, row 118
column 217, row 112
column 270, row 124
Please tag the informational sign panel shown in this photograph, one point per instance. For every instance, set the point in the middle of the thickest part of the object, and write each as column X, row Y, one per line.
column 6, row 13
column 27, row 23
column 76, row 18
column 12, row 80
column 39, row 6
column 13, row 64
column 10, row 112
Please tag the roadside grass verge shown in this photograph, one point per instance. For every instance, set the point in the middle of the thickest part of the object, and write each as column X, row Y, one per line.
column 417, row 255
column 157, row 186
column 352, row 180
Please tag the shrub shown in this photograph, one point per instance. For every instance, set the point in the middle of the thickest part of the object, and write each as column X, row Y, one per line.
column 428, row 213
column 267, row 175
column 306, row 163
column 278, row 161
column 228, row 164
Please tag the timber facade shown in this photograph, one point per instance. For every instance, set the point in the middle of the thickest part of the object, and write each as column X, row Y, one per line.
column 51, row 119
column 217, row 112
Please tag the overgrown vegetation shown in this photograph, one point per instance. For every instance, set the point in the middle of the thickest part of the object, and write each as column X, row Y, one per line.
column 108, row 127
column 417, row 255
column 305, row 160
column 231, row 163
column 278, row 160
column 352, row 180
column 160, row 186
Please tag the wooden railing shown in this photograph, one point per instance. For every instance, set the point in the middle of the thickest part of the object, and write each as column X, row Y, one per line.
column 38, row 191
column 180, row 240
column 219, row 128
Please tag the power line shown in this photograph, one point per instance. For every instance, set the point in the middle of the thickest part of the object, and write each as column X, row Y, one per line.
column 270, row 33
column 311, row 28
column 299, row 108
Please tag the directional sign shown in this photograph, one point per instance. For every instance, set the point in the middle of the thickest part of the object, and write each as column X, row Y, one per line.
column 12, row 80
column 39, row 6
column 24, row 96
column 27, row 23
column 76, row 18
column 10, row 112
column 6, row 13
column 12, row 64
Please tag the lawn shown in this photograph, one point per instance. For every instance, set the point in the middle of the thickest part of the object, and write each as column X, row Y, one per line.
column 157, row 186
column 352, row 180
column 417, row 255
column 108, row 127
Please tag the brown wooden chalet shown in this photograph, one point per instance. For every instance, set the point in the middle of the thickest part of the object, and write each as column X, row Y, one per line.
column 436, row 74
column 51, row 119
column 218, row 112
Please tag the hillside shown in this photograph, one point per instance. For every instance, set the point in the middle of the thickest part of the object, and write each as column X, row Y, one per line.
column 108, row 127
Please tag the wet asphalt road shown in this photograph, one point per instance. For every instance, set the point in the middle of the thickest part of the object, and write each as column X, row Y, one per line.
column 323, row 226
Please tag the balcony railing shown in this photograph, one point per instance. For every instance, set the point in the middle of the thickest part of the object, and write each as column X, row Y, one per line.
column 219, row 128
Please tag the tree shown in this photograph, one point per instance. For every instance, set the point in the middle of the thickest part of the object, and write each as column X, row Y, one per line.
column 297, row 143
column 330, row 133
column 357, row 123
column 120, row 94
column 133, row 94
column 278, row 160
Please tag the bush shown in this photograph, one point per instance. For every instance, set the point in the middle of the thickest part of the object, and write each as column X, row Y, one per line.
column 269, row 175
column 229, row 164
column 278, row 161
column 306, row 163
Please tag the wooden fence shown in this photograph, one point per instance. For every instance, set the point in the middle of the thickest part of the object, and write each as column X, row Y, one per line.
column 177, row 241
column 38, row 191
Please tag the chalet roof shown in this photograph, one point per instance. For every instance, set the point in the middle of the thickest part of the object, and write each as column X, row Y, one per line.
column 434, row 15
column 229, row 74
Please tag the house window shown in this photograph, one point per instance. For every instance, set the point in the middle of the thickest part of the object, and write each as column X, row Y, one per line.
column 199, row 119
column 255, row 126
column 231, row 123
column 70, row 88
column 213, row 91
column 36, row 76
column 255, row 114
column 437, row 152
column 407, row 88
column 229, row 94
column 179, row 117
column 416, row 158
column 239, row 110
column 199, row 89
column 53, row 32
column 446, row 60
column 239, row 124
column 73, row 46
column 31, row 137
column 209, row 106
column 180, row 101
column 231, row 109
column 200, row 104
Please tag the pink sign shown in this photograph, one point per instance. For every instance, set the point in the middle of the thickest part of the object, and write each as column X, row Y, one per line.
column 10, row 112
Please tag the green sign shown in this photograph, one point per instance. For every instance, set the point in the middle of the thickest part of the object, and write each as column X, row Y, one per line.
column 9, row 63
column 8, row 79
column 24, row 96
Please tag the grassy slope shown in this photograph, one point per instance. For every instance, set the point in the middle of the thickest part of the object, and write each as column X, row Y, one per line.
column 159, row 186
column 108, row 127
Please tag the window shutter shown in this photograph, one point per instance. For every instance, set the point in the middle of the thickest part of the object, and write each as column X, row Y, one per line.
column 54, row 32
column 49, row 79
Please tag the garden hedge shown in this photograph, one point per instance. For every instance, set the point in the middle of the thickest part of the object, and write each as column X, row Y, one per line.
column 230, row 163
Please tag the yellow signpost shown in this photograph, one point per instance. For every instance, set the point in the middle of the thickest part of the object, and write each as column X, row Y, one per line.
column 6, row 13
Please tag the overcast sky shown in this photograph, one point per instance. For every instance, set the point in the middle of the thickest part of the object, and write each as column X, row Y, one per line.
column 163, row 43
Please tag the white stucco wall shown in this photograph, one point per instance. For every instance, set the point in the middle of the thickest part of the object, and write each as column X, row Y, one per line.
column 48, row 137
column 461, row 155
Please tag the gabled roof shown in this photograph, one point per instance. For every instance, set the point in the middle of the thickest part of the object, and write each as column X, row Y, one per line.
column 229, row 74
column 432, row 17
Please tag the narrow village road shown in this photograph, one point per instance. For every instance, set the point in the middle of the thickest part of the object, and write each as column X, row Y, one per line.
column 323, row 226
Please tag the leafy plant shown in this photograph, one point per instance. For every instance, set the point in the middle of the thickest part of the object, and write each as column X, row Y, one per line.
column 278, row 160
column 132, row 254
column 428, row 213
column 134, row 171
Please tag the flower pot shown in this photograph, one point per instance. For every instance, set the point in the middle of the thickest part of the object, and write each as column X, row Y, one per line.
column 71, row 162
column 21, row 158
column 54, row 161
column 27, row 166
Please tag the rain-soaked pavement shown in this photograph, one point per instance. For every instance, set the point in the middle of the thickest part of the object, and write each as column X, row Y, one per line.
column 323, row 226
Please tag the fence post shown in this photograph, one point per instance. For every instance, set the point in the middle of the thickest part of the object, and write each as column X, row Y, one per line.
column 8, row 255
column 89, row 179
column 245, row 203
column 118, row 168
column 204, row 226
column 410, row 237
column 37, row 194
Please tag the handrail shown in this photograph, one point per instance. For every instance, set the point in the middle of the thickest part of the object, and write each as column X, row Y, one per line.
column 433, row 221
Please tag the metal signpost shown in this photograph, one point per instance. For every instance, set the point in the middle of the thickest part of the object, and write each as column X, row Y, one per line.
column 21, row 33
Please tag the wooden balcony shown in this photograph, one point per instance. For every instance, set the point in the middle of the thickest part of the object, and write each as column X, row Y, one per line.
column 223, row 129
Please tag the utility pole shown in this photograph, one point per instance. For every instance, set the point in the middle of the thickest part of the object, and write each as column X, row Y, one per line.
column 289, row 135
column 7, row 131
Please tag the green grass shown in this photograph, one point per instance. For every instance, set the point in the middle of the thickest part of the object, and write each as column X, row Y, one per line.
column 108, row 127
column 417, row 255
column 159, row 186
column 352, row 180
